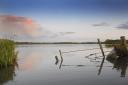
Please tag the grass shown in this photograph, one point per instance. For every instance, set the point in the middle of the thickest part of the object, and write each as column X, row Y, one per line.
column 8, row 54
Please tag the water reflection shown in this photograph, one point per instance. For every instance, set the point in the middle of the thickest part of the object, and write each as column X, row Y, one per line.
column 120, row 64
column 57, row 61
column 119, row 59
column 101, row 66
column 7, row 74
column 40, row 66
column 61, row 64
column 92, row 59
column 31, row 61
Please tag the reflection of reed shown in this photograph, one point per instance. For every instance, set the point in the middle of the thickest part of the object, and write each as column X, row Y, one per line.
column 7, row 74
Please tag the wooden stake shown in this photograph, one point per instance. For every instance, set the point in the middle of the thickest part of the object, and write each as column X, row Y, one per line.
column 123, row 41
column 61, row 54
column 61, row 59
column 101, row 47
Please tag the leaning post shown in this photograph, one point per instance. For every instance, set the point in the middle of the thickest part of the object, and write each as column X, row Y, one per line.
column 61, row 55
column 101, row 48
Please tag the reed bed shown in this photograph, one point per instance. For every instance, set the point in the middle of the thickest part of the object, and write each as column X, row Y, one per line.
column 8, row 54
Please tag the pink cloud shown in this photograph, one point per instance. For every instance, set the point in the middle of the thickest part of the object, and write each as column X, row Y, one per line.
column 19, row 26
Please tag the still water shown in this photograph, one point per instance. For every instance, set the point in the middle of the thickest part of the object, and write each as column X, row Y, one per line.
column 37, row 65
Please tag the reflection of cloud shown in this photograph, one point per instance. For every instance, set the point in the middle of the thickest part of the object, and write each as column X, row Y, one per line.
column 101, row 24
column 19, row 25
column 31, row 61
column 123, row 26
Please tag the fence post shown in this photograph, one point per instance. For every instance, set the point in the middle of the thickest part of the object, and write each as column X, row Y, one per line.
column 101, row 48
column 61, row 59
column 61, row 54
column 123, row 41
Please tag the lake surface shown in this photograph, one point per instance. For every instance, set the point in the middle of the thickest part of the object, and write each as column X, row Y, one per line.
column 37, row 66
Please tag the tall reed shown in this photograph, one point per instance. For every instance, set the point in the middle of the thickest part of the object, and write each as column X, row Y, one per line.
column 8, row 55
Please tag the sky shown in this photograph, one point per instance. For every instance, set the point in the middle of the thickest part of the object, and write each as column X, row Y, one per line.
column 64, row 20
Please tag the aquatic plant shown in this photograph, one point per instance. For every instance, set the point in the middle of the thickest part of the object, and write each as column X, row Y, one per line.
column 8, row 54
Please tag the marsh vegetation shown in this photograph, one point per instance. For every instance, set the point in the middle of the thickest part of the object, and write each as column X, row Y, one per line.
column 8, row 54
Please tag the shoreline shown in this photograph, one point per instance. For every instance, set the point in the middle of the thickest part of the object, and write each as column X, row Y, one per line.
column 20, row 43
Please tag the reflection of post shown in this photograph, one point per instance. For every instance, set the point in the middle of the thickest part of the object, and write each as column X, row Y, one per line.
column 57, row 60
column 61, row 59
column 101, row 66
column 123, row 70
column 60, row 64
column 121, row 64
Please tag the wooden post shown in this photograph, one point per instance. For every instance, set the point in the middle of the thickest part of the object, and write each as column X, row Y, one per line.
column 61, row 54
column 123, row 41
column 61, row 59
column 123, row 47
column 101, row 47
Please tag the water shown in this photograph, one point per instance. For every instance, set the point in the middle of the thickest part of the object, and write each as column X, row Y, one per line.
column 36, row 66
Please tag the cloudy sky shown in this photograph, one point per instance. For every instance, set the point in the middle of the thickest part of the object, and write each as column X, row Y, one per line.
column 64, row 20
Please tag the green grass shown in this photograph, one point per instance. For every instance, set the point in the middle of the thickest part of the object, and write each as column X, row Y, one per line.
column 8, row 55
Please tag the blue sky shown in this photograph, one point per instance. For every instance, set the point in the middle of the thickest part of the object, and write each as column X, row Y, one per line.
column 65, row 6
column 77, row 20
